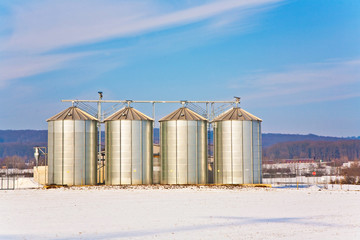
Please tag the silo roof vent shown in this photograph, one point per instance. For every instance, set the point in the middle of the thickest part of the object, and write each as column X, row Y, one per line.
column 128, row 113
column 236, row 113
column 183, row 114
column 72, row 113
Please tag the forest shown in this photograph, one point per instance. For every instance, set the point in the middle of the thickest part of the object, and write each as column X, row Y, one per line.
column 17, row 146
column 344, row 150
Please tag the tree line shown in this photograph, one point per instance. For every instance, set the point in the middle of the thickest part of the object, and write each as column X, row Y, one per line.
column 344, row 150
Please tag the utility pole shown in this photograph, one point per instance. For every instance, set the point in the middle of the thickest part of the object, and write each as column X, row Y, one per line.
column 99, row 125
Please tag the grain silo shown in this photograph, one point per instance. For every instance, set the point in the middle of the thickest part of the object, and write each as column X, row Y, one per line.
column 237, row 150
column 183, row 143
column 129, row 147
column 72, row 148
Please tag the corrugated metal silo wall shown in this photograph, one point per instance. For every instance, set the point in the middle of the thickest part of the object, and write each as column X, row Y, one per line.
column 129, row 152
column 237, row 152
column 183, row 152
column 72, row 152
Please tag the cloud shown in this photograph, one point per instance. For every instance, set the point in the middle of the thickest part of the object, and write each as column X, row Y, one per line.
column 56, row 24
column 327, row 81
column 38, row 28
column 22, row 66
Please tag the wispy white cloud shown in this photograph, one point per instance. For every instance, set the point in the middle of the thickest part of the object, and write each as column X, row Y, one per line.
column 55, row 24
column 23, row 66
column 327, row 81
column 40, row 27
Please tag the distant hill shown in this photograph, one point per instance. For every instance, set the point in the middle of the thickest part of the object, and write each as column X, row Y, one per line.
column 21, row 142
column 22, row 149
column 269, row 139
column 23, row 136
column 342, row 150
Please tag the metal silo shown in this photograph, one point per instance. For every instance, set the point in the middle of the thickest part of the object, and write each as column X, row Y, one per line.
column 72, row 143
column 129, row 147
column 237, row 139
column 183, row 146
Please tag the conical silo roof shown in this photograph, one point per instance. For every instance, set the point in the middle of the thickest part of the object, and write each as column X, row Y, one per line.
column 72, row 113
column 236, row 113
column 128, row 113
column 183, row 114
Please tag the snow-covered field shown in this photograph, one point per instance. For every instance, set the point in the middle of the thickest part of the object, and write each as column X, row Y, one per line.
column 180, row 213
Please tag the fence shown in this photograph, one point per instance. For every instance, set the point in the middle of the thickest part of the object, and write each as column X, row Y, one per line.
column 7, row 182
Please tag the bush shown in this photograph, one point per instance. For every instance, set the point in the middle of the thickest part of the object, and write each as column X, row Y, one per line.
column 351, row 174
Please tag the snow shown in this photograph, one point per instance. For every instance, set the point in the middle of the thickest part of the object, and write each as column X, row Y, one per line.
column 163, row 212
column 24, row 183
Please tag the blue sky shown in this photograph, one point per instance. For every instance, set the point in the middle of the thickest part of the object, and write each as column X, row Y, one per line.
column 294, row 63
